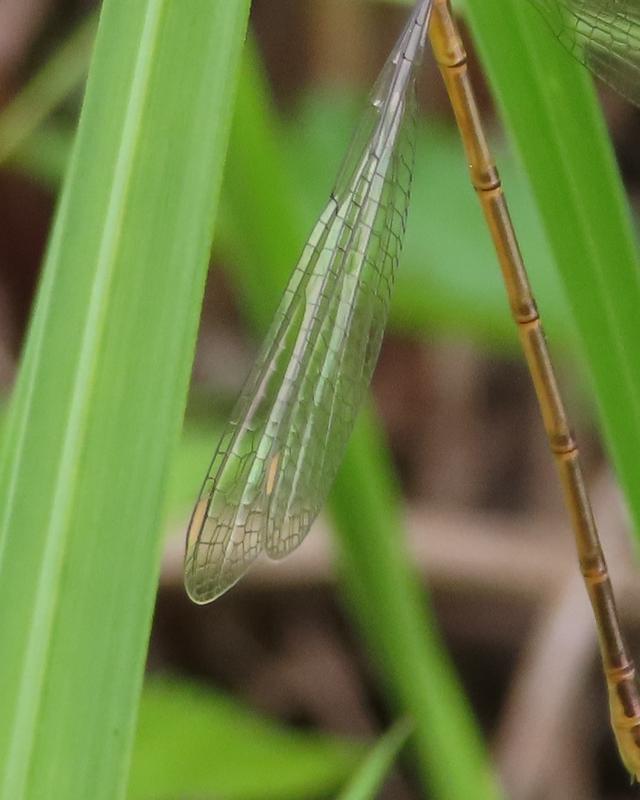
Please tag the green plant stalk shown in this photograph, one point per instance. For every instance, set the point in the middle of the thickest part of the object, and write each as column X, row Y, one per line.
column 96, row 411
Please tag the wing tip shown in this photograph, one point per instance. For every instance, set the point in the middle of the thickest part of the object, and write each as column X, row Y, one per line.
column 201, row 589
column 200, row 592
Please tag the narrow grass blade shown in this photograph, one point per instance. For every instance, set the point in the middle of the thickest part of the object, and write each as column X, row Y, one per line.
column 370, row 775
column 551, row 112
column 100, row 395
column 396, row 619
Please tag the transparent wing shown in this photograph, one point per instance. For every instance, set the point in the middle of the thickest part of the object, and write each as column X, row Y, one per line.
column 602, row 34
column 281, row 450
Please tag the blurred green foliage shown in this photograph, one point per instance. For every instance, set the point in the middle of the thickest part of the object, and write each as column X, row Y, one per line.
column 367, row 781
column 447, row 284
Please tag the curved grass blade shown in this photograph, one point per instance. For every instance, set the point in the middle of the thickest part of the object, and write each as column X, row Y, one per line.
column 280, row 453
column 370, row 775
column 604, row 35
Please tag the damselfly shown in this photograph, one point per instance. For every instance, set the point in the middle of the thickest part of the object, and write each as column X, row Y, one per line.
column 279, row 454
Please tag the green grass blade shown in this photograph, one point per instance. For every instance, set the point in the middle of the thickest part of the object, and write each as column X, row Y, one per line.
column 370, row 775
column 96, row 411
column 395, row 618
column 550, row 110
column 64, row 71
column 193, row 742
column 389, row 603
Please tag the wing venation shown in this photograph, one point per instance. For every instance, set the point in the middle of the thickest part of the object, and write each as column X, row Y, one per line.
column 280, row 453
column 602, row 34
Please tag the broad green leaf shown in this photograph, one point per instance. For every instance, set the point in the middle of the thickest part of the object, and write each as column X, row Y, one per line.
column 98, row 404
column 193, row 742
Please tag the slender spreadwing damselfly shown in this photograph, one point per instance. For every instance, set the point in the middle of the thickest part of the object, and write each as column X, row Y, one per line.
column 280, row 453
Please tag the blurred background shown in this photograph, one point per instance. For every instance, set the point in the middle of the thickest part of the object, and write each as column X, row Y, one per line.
column 279, row 661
